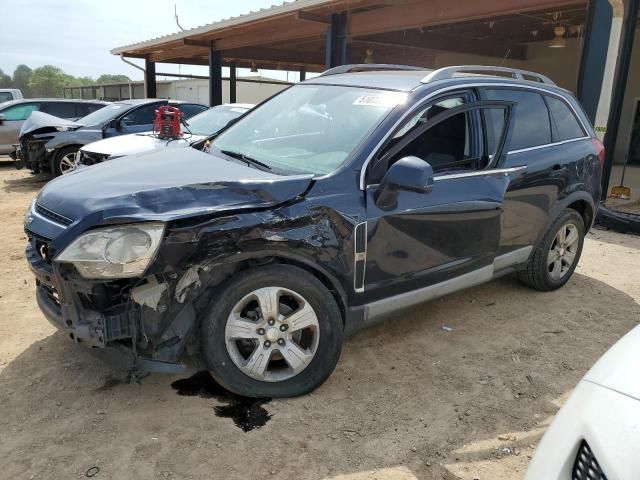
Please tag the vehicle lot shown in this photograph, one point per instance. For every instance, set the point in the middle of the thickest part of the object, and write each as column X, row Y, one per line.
column 407, row 400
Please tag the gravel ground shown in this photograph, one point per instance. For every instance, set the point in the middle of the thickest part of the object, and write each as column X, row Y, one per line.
column 408, row 399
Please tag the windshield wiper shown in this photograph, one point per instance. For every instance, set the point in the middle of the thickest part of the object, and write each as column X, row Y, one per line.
column 245, row 158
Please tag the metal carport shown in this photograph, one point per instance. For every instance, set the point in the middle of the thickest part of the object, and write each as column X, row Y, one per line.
column 311, row 35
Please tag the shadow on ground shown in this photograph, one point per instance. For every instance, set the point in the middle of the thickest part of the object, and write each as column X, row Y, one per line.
column 22, row 184
column 407, row 395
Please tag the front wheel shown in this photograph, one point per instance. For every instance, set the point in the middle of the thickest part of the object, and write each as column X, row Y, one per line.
column 273, row 331
column 64, row 161
column 556, row 257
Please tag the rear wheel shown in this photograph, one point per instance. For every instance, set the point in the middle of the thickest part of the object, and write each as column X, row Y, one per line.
column 273, row 331
column 64, row 161
column 556, row 257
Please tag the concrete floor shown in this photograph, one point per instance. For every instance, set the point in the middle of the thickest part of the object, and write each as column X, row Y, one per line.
column 631, row 179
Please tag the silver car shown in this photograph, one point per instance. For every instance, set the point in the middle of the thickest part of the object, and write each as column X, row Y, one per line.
column 14, row 113
column 196, row 129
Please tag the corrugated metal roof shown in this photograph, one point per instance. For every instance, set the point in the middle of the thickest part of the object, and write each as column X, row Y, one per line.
column 275, row 10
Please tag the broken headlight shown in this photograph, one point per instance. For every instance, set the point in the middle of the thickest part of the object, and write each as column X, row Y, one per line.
column 114, row 252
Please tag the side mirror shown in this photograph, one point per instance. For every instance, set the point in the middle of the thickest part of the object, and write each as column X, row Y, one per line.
column 2, row 118
column 410, row 174
column 114, row 124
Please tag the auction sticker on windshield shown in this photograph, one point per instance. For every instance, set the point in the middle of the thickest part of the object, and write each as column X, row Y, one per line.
column 387, row 99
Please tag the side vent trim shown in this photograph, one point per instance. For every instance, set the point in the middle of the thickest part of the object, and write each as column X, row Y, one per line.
column 360, row 256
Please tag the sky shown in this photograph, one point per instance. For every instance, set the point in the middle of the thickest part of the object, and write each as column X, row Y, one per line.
column 77, row 35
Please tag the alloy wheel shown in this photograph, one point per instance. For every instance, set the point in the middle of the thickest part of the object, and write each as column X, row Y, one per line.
column 562, row 254
column 67, row 163
column 272, row 334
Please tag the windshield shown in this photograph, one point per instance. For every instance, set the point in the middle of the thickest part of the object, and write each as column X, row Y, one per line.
column 214, row 119
column 308, row 128
column 104, row 114
column 5, row 96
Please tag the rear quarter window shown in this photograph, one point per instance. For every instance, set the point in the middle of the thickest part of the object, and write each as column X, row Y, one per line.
column 564, row 120
column 190, row 109
column 531, row 125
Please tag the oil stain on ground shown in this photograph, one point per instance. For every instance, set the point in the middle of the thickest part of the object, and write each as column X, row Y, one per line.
column 246, row 413
column 109, row 383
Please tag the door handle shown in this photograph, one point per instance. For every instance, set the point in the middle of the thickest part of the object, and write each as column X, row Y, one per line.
column 558, row 168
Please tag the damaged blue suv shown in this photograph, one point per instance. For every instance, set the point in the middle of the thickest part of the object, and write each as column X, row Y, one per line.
column 336, row 203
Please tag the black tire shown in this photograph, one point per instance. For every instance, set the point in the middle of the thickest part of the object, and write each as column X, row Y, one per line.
column 56, row 169
column 536, row 273
column 214, row 348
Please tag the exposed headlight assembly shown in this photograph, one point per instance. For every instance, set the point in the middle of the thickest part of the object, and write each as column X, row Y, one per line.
column 114, row 252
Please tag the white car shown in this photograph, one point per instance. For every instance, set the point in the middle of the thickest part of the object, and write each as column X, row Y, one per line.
column 198, row 128
column 596, row 434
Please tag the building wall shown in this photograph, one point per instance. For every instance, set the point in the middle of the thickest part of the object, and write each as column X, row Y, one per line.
column 562, row 65
column 197, row 90
column 559, row 64
column 194, row 90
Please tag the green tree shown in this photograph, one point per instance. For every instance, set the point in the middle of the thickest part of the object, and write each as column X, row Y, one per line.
column 107, row 78
column 5, row 80
column 48, row 80
column 21, row 77
column 77, row 81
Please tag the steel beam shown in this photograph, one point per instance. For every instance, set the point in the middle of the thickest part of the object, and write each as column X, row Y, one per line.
column 336, row 52
column 215, row 76
column 594, row 55
column 619, row 89
column 150, row 86
column 232, row 83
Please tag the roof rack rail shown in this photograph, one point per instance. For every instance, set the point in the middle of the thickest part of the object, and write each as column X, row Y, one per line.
column 449, row 72
column 367, row 67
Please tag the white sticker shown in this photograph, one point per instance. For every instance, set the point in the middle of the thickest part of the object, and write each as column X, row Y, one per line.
column 386, row 99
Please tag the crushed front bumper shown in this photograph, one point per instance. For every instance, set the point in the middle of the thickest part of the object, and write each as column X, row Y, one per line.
column 32, row 154
column 110, row 333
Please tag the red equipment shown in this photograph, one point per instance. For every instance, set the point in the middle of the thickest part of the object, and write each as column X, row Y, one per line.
column 167, row 124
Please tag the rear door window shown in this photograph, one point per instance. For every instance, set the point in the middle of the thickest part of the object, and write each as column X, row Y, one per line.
column 564, row 120
column 83, row 109
column 191, row 109
column 60, row 109
column 531, row 127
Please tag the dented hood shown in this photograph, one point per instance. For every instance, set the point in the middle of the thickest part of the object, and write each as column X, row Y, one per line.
column 166, row 185
column 136, row 143
column 45, row 122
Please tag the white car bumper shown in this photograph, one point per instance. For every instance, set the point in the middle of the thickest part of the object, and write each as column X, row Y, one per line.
column 607, row 420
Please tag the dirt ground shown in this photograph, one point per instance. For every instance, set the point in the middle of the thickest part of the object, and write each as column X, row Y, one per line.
column 408, row 399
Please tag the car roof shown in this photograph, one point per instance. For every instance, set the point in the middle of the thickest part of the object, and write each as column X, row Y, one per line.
column 404, row 81
column 413, row 78
column 247, row 106
column 142, row 101
column 27, row 100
